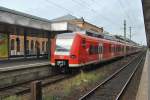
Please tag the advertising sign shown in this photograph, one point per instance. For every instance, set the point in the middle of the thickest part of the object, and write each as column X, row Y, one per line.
column 3, row 46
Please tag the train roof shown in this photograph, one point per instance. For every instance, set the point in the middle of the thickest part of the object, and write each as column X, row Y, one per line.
column 112, row 38
column 66, row 35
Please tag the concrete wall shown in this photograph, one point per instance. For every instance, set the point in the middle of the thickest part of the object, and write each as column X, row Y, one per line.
column 86, row 25
column 18, row 76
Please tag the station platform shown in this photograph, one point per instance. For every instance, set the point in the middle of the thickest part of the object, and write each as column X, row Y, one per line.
column 144, row 87
column 22, row 64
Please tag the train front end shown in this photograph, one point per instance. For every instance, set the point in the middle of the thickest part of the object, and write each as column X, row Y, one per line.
column 64, row 53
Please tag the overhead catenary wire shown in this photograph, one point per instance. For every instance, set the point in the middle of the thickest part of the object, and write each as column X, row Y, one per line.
column 133, row 14
column 59, row 6
column 84, row 5
column 124, row 13
column 81, row 4
column 123, row 9
column 94, row 11
column 114, row 23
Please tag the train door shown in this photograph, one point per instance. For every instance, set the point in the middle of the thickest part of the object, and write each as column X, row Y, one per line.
column 82, row 52
column 100, row 49
column 112, row 50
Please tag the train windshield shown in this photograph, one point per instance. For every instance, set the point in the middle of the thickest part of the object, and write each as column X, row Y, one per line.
column 64, row 42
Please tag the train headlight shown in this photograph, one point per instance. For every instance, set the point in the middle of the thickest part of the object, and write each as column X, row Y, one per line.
column 72, row 56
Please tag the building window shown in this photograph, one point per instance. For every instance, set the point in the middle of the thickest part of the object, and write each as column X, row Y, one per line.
column 18, row 44
column 37, row 45
column 43, row 46
column 27, row 44
column 12, row 44
column 47, row 47
column 32, row 44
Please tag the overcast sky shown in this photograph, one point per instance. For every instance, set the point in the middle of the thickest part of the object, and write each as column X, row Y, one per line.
column 104, row 13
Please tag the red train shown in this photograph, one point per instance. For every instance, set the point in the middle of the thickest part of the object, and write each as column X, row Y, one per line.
column 76, row 49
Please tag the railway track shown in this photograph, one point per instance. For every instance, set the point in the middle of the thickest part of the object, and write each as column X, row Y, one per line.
column 115, row 85
column 23, row 88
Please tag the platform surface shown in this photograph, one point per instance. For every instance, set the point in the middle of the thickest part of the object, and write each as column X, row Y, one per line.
column 13, row 65
column 144, row 87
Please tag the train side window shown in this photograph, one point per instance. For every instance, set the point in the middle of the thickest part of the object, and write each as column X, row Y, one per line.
column 110, row 48
column 96, row 49
column 92, row 50
column 117, row 49
column 114, row 49
column 122, row 48
column 102, row 49
column 12, row 44
column 83, row 43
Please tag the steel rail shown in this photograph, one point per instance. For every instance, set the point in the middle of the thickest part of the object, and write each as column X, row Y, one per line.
column 24, row 87
column 128, row 81
column 84, row 97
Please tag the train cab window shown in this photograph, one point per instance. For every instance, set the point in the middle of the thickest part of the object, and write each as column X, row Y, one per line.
column 18, row 44
column 64, row 42
column 12, row 44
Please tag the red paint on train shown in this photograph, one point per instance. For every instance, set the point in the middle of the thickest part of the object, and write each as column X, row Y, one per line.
column 80, row 49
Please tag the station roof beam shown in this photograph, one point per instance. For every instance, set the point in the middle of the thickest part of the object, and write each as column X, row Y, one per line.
column 146, row 11
column 21, row 19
